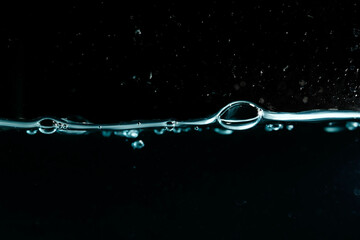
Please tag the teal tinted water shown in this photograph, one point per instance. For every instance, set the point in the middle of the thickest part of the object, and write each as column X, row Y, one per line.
column 236, row 116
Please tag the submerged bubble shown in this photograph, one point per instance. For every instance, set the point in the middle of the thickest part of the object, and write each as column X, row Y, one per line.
column 223, row 131
column 31, row 131
column 159, row 131
column 333, row 128
column 106, row 133
column 273, row 127
column 290, row 127
column 138, row 144
column 197, row 129
column 177, row 130
column 351, row 126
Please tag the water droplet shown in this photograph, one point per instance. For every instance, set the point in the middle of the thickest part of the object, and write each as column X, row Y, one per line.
column 138, row 144
column 351, row 126
column 31, row 131
column 223, row 131
column 290, row 127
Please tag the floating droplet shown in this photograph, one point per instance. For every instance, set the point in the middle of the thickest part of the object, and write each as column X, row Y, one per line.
column 138, row 144
column 223, row 131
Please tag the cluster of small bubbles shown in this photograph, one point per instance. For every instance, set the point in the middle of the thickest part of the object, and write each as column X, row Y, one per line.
column 170, row 125
column 128, row 133
column 60, row 125
column 31, row 131
column 273, row 127
column 223, row 131
column 290, row 127
column 138, row 144
column 351, row 126
column 106, row 133
column 159, row 131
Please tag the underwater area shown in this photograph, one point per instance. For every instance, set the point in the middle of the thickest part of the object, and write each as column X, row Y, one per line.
column 151, row 120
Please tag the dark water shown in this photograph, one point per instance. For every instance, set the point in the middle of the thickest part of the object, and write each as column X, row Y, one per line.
column 294, row 184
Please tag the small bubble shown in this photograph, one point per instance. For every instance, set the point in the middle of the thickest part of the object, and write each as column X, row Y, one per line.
column 273, row 127
column 197, row 129
column 290, row 127
column 31, row 131
column 138, row 144
column 351, row 126
column 223, row 131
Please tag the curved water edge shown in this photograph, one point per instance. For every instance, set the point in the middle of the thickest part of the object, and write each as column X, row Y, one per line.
column 238, row 115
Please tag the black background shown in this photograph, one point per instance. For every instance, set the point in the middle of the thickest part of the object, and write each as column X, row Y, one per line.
column 94, row 59
column 111, row 62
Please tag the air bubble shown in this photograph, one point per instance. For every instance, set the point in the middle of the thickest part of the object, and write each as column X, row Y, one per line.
column 240, row 115
column 48, row 126
column 197, row 129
